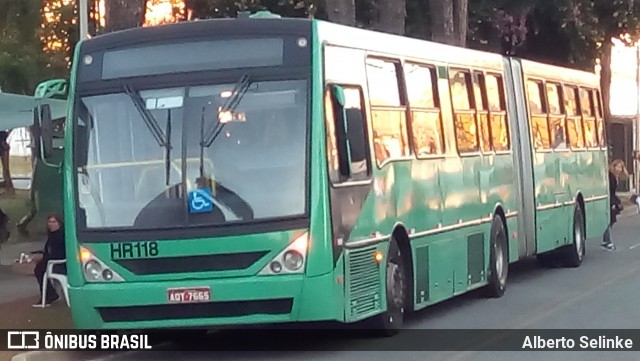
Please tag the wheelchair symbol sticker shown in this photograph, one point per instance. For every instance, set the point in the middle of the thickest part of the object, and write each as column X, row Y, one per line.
column 200, row 201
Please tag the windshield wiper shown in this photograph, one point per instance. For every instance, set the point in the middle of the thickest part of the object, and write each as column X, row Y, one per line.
column 207, row 138
column 151, row 122
column 239, row 90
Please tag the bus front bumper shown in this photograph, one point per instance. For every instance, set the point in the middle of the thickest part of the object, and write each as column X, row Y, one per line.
column 237, row 301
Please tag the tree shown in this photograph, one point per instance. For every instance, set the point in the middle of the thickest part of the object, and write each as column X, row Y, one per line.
column 59, row 34
column 341, row 11
column 593, row 24
column 460, row 21
column 442, row 29
column 124, row 14
column 449, row 21
column 390, row 16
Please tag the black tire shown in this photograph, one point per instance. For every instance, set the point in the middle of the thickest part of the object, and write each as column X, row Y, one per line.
column 499, row 260
column 390, row 322
column 573, row 254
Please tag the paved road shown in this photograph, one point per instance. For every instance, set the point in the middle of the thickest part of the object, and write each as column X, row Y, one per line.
column 602, row 293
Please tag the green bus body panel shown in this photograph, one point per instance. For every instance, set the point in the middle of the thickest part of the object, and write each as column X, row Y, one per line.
column 443, row 206
column 313, row 300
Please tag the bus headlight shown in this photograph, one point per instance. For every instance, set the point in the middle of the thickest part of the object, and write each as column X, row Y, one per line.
column 291, row 260
column 92, row 270
column 95, row 270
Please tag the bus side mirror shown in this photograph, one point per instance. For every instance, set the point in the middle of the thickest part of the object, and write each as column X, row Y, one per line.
column 46, row 130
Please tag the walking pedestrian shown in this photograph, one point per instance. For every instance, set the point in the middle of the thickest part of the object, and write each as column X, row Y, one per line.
column 617, row 170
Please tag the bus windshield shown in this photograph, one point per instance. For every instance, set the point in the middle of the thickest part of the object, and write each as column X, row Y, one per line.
column 142, row 162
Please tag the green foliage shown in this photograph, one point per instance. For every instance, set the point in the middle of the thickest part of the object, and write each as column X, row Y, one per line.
column 21, row 61
column 565, row 32
column 64, row 31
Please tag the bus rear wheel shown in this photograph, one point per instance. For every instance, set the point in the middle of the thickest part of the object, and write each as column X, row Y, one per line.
column 499, row 260
column 573, row 254
column 390, row 322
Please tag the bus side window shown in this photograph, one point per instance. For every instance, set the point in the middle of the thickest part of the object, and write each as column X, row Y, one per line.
column 538, row 116
column 497, row 112
column 557, row 124
column 482, row 111
column 464, row 114
column 599, row 121
column 588, row 118
column 426, row 120
column 574, row 121
column 388, row 110
column 347, row 145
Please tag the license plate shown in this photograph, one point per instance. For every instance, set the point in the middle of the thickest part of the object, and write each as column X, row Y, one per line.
column 189, row 295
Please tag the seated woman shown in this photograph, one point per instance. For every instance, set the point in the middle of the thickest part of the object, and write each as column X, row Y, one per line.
column 54, row 249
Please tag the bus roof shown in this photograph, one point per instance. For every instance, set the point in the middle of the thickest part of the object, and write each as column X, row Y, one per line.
column 406, row 47
column 379, row 42
column 553, row 72
column 198, row 29
column 331, row 33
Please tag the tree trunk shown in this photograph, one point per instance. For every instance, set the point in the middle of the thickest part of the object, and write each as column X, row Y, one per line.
column 460, row 21
column 391, row 15
column 341, row 11
column 123, row 14
column 442, row 29
column 605, row 79
column 6, row 174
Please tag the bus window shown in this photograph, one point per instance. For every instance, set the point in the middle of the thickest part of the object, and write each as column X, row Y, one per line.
column 479, row 92
column 387, row 109
column 588, row 118
column 556, row 120
column 574, row 121
column 497, row 112
column 426, row 121
column 599, row 121
column 571, row 101
column 460, row 90
column 585, row 102
column 464, row 117
column 421, row 86
column 383, row 83
column 553, row 99
column 539, row 125
column 346, row 135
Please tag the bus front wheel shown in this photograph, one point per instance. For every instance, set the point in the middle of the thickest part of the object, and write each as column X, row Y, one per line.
column 390, row 322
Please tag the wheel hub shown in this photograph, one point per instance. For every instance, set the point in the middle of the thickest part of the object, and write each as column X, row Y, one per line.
column 395, row 285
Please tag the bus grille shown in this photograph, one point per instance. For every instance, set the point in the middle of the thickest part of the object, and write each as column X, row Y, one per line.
column 364, row 285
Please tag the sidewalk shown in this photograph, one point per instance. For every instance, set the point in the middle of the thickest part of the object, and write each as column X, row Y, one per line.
column 18, row 313
column 20, row 291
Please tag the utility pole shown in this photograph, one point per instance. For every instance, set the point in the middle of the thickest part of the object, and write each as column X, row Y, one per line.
column 84, row 19
column 636, row 125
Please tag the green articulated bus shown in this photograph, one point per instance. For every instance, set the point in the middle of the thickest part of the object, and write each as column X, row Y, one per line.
column 270, row 170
